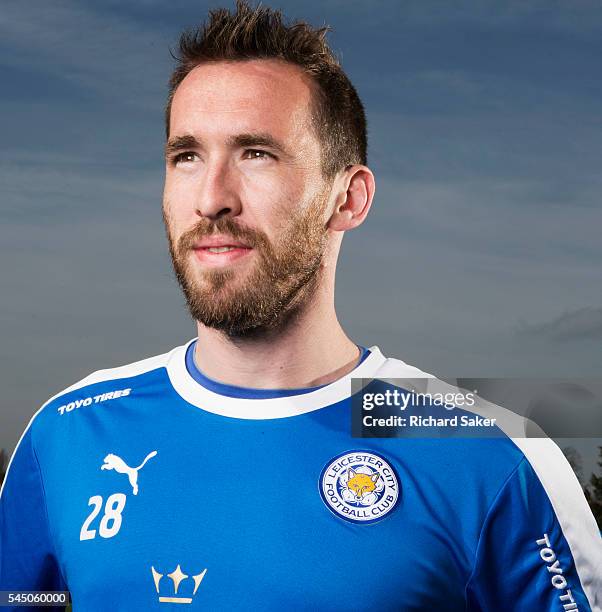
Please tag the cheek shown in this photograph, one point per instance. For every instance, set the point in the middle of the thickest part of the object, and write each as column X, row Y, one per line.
column 270, row 204
column 176, row 225
column 176, row 191
column 178, row 205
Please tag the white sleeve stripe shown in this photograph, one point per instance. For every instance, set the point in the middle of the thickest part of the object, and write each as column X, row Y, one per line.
column 572, row 511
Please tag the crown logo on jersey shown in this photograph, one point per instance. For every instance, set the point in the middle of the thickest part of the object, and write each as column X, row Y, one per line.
column 176, row 577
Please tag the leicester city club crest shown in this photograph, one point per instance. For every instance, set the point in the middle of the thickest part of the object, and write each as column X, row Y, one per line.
column 359, row 486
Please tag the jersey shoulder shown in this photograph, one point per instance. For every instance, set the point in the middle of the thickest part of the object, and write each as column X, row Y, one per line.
column 496, row 454
column 511, row 424
column 103, row 385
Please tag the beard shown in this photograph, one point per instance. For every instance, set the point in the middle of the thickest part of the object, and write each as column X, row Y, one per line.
column 244, row 303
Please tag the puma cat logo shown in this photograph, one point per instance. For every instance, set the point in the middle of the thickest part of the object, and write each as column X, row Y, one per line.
column 113, row 462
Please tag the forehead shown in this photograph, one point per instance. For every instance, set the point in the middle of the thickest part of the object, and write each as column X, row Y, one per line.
column 255, row 95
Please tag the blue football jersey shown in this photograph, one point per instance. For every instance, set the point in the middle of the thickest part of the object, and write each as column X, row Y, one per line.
column 150, row 487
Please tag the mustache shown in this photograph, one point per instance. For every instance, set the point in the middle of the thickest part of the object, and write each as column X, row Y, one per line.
column 224, row 226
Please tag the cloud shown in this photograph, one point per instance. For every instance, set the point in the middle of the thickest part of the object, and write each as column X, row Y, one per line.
column 111, row 55
column 55, row 188
column 581, row 324
column 580, row 15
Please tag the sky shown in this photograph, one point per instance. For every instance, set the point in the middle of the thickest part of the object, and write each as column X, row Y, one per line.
column 480, row 256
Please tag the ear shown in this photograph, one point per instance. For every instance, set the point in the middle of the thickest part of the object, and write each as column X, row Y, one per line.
column 350, row 473
column 354, row 193
column 374, row 478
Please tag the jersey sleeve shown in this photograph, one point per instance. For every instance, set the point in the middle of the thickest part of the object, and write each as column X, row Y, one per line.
column 539, row 547
column 27, row 557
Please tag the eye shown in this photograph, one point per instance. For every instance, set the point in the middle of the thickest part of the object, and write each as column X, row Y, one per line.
column 184, row 157
column 257, row 154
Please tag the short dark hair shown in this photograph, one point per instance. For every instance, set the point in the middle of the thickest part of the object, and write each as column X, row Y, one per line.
column 337, row 112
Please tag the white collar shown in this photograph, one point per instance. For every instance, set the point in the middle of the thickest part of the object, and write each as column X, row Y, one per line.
column 271, row 408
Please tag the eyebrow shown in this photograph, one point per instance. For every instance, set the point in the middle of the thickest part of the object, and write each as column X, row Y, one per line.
column 248, row 139
column 179, row 143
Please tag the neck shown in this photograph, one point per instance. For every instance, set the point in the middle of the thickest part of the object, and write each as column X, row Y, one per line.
column 309, row 349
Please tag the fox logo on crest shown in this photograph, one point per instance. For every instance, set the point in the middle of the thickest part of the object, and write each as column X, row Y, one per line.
column 360, row 487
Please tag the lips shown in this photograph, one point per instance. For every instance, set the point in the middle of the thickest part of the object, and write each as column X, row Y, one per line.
column 216, row 242
column 219, row 250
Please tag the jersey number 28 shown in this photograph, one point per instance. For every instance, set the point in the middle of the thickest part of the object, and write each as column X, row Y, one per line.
column 110, row 523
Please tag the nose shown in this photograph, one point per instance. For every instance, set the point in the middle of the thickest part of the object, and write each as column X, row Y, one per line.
column 217, row 194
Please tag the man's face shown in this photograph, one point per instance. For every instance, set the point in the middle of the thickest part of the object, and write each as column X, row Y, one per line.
column 245, row 203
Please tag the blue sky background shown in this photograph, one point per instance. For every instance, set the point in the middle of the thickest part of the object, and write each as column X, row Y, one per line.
column 480, row 257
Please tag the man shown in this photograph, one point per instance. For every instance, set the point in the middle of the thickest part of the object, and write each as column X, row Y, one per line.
column 222, row 474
